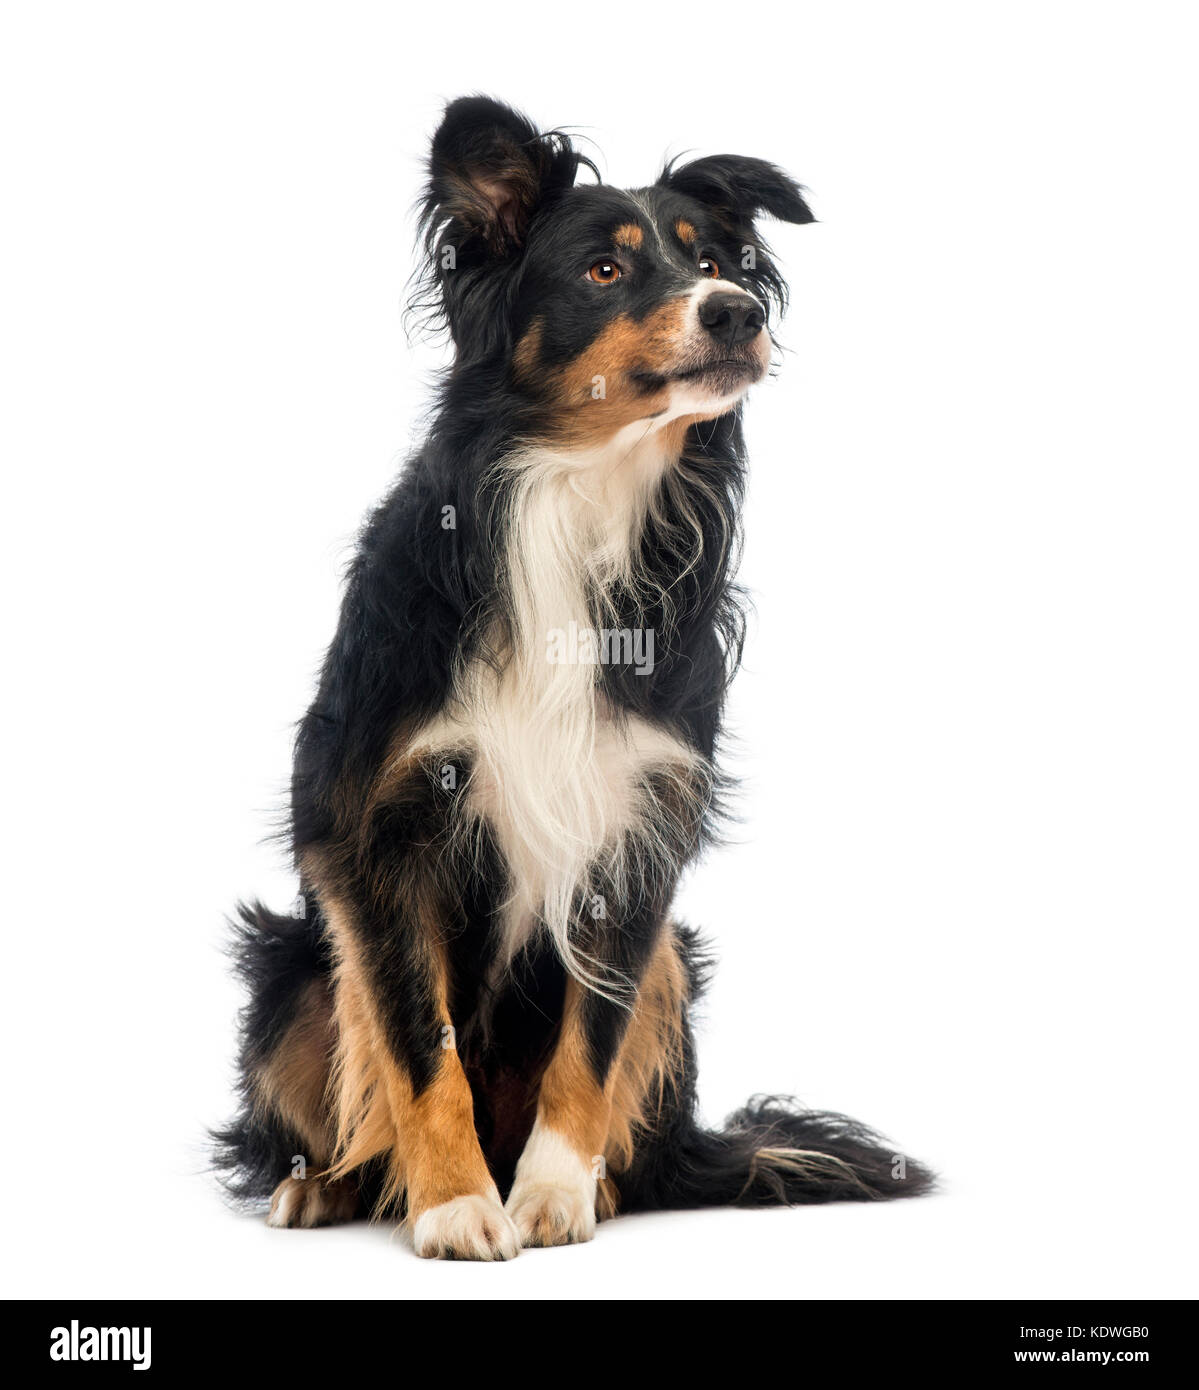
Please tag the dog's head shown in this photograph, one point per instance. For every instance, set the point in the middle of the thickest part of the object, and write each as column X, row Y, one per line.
column 604, row 306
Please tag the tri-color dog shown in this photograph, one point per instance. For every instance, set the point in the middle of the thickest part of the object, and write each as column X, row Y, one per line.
column 480, row 1018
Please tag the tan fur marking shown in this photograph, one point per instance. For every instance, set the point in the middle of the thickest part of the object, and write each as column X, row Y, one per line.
column 528, row 350
column 428, row 1140
column 650, row 1053
column 613, row 383
column 444, row 1157
column 685, row 231
column 604, row 1122
column 364, row 1121
column 294, row 1081
column 571, row 1102
column 625, row 346
column 630, row 236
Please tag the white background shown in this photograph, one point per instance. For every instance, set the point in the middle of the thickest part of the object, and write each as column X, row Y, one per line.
column 962, row 901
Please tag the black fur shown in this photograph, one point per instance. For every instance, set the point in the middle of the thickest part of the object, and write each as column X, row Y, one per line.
column 276, row 957
column 507, row 237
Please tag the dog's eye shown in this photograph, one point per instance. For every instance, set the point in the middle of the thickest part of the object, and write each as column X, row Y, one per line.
column 709, row 267
column 604, row 272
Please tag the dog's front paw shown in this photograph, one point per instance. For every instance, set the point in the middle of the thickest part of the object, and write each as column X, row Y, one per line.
column 552, row 1201
column 466, row 1228
column 547, row 1215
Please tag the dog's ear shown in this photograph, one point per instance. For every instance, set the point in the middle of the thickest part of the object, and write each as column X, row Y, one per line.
column 489, row 172
column 738, row 188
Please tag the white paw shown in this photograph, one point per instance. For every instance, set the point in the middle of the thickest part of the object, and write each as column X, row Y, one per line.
column 310, row 1202
column 466, row 1228
column 552, row 1201
column 546, row 1215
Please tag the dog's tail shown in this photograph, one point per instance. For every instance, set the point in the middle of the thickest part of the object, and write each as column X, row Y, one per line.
column 771, row 1153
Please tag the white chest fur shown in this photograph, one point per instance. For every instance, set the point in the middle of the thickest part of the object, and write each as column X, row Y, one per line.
column 561, row 780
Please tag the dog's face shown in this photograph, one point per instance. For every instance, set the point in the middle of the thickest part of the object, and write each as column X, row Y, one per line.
column 633, row 305
column 605, row 306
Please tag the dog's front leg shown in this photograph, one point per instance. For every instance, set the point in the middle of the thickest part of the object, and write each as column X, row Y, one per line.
column 553, row 1197
column 454, row 1208
column 402, row 1095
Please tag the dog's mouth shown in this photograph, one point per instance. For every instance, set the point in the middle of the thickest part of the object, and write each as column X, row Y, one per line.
column 722, row 375
column 724, row 369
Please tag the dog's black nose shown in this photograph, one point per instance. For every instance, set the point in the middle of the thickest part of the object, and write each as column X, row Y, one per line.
column 731, row 318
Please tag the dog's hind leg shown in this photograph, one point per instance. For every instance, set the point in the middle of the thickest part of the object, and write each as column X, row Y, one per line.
column 313, row 1201
column 293, row 1084
column 282, row 1140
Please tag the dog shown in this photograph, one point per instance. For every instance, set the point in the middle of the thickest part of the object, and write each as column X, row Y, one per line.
column 477, row 1015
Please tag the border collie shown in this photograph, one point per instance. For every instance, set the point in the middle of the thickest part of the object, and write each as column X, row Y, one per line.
column 477, row 1015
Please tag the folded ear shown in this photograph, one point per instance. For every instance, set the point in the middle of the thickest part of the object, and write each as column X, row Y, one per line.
column 489, row 171
column 739, row 188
